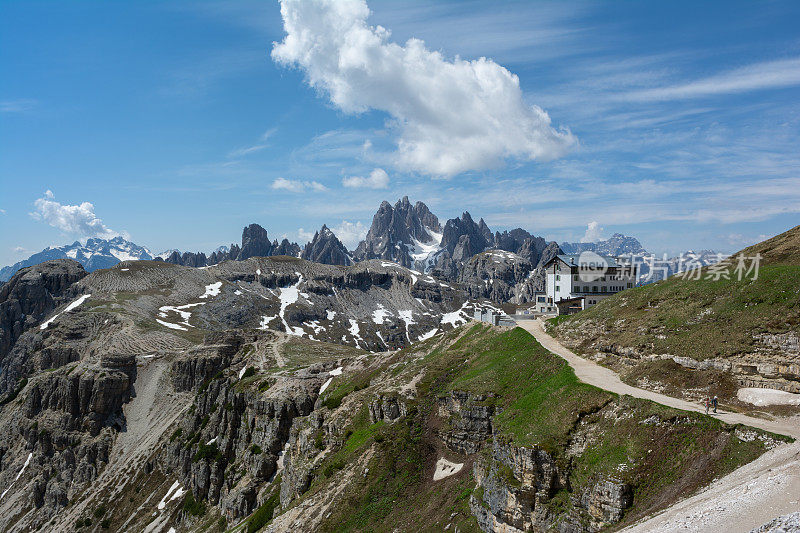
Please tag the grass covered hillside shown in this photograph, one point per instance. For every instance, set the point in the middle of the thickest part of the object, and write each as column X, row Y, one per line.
column 747, row 328
column 700, row 318
column 536, row 448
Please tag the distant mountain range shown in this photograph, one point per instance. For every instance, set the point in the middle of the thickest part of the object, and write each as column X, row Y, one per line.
column 618, row 244
column 94, row 255
column 404, row 233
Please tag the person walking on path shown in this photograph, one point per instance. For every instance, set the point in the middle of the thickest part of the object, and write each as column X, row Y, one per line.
column 714, row 403
column 708, row 404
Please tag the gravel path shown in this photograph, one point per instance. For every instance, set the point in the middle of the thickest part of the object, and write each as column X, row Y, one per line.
column 741, row 501
column 605, row 378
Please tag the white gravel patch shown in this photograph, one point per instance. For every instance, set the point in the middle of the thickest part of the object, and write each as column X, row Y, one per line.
column 761, row 397
column 445, row 468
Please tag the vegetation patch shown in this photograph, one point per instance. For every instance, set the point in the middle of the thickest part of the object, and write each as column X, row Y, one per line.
column 266, row 510
column 193, row 506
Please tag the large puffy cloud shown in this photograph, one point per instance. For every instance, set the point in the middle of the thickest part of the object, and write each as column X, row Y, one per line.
column 73, row 219
column 593, row 232
column 451, row 116
column 377, row 179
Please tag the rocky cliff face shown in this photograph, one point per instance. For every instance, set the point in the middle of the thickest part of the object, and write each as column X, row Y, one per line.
column 255, row 243
column 28, row 298
column 494, row 275
column 503, row 276
column 326, row 248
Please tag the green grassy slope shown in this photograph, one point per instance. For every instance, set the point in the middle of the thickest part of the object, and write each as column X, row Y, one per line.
column 663, row 453
column 700, row 318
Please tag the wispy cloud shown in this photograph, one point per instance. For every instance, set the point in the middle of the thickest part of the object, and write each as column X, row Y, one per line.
column 297, row 185
column 17, row 106
column 204, row 73
column 759, row 76
column 253, row 148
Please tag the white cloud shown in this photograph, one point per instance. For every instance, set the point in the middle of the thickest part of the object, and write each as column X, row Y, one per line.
column 304, row 236
column 377, row 179
column 593, row 232
column 451, row 116
column 2, row 211
column 766, row 75
column 73, row 219
column 297, row 185
column 350, row 233
column 253, row 148
column 20, row 249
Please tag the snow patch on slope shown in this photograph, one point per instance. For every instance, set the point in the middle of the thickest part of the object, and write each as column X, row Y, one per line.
column 69, row 308
column 27, row 461
column 212, row 290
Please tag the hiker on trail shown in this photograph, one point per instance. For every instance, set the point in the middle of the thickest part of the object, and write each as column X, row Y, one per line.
column 708, row 404
column 714, row 403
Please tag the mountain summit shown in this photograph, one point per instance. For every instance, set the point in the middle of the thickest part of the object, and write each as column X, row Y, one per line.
column 404, row 234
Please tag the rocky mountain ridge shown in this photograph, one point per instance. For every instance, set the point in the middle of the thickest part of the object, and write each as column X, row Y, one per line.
column 266, row 429
column 413, row 237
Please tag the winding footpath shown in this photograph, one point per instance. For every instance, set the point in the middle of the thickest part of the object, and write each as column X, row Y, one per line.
column 739, row 502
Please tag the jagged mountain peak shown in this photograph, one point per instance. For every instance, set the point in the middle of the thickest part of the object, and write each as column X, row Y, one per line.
column 396, row 231
column 326, row 248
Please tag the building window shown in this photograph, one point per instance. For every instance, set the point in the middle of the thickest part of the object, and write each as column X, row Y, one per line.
column 594, row 289
column 558, row 288
column 558, row 277
column 576, row 277
column 604, row 289
column 629, row 285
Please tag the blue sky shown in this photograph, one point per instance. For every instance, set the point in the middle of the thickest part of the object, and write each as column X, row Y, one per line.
column 177, row 123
